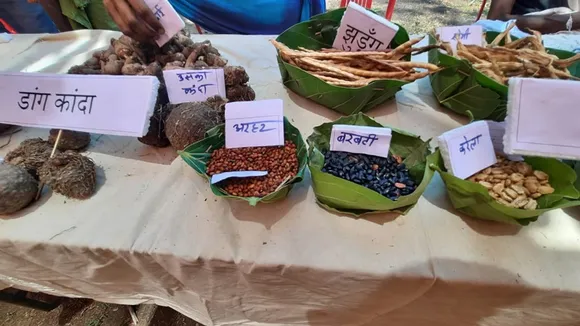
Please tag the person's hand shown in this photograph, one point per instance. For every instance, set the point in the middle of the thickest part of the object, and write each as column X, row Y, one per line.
column 134, row 19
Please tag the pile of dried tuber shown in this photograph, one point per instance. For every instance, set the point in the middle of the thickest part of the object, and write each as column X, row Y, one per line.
column 357, row 69
column 525, row 57
column 126, row 56
column 514, row 184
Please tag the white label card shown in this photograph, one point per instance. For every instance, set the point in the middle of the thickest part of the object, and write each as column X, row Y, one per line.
column 468, row 35
column 194, row 85
column 469, row 149
column 542, row 118
column 113, row 105
column 361, row 140
column 363, row 30
column 255, row 123
column 168, row 17
column 236, row 174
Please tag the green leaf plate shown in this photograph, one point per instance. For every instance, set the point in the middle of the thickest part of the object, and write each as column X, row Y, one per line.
column 317, row 33
column 340, row 195
column 197, row 156
column 465, row 90
column 474, row 200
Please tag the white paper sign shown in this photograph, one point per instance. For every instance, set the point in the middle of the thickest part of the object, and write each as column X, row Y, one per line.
column 468, row 149
column 361, row 140
column 255, row 123
column 236, row 174
column 168, row 17
column 542, row 118
column 114, row 105
column 360, row 29
column 194, row 85
column 468, row 35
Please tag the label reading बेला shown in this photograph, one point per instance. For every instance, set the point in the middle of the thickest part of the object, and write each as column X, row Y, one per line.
column 168, row 17
column 363, row 30
column 254, row 123
column 361, row 139
column 468, row 35
column 469, row 148
column 112, row 105
column 194, row 85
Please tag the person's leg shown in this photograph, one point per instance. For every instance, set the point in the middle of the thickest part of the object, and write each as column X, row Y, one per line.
column 26, row 17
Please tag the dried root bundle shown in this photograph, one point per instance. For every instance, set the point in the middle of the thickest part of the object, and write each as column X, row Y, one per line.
column 357, row 69
column 525, row 57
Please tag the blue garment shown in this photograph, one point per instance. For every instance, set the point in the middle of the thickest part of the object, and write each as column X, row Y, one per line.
column 25, row 17
column 266, row 17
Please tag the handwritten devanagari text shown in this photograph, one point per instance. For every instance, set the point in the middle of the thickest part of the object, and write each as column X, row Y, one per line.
column 469, row 144
column 461, row 35
column 348, row 137
column 158, row 12
column 364, row 41
column 64, row 102
column 256, row 126
column 197, row 77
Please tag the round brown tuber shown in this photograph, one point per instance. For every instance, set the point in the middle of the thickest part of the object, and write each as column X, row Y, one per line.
column 199, row 64
column 70, row 174
column 235, row 75
column 215, row 60
column 240, row 93
column 132, row 69
column 70, row 140
column 83, row 70
column 31, row 154
column 17, row 188
column 188, row 122
column 112, row 67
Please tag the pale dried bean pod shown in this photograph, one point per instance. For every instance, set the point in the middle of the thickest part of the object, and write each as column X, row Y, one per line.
column 511, row 193
column 531, row 205
column 506, row 197
column 519, row 189
column 520, row 202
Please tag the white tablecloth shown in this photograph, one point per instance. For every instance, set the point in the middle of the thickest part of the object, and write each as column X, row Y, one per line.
column 154, row 233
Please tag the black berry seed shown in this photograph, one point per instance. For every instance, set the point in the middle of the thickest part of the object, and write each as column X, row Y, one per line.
column 386, row 176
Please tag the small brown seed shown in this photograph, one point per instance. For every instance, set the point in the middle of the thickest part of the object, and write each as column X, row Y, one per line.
column 536, row 195
column 501, row 176
column 400, row 185
column 531, row 186
column 508, row 183
column 544, row 182
column 497, row 171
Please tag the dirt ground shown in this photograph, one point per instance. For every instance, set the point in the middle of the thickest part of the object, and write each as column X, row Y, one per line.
column 418, row 16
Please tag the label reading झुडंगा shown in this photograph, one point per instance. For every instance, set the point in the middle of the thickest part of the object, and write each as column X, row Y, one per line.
column 254, row 123
column 361, row 140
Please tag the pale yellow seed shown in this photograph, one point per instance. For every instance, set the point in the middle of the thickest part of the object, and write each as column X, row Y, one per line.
column 524, row 168
column 501, row 176
column 511, row 193
column 544, row 182
column 520, row 202
column 519, row 189
column 536, row 195
column 497, row 171
column 503, row 202
column 515, row 177
column 487, row 185
column 531, row 205
column 498, row 188
column 540, row 175
column 531, row 186
column 506, row 197
column 508, row 182
column 545, row 190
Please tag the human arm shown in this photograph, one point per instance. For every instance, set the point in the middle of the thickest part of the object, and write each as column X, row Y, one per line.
column 500, row 9
column 134, row 19
column 548, row 24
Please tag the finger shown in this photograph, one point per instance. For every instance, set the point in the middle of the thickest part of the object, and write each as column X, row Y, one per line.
column 147, row 15
column 117, row 18
column 139, row 30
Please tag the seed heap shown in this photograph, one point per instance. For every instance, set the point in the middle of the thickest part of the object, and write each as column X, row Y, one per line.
column 387, row 176
column 514, row 184
column 281, row 162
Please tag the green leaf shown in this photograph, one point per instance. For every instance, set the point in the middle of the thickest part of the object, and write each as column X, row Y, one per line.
column 340, row 195
column 474, row 200
column 465, row 90
column 197, row 156
column 317, row 33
